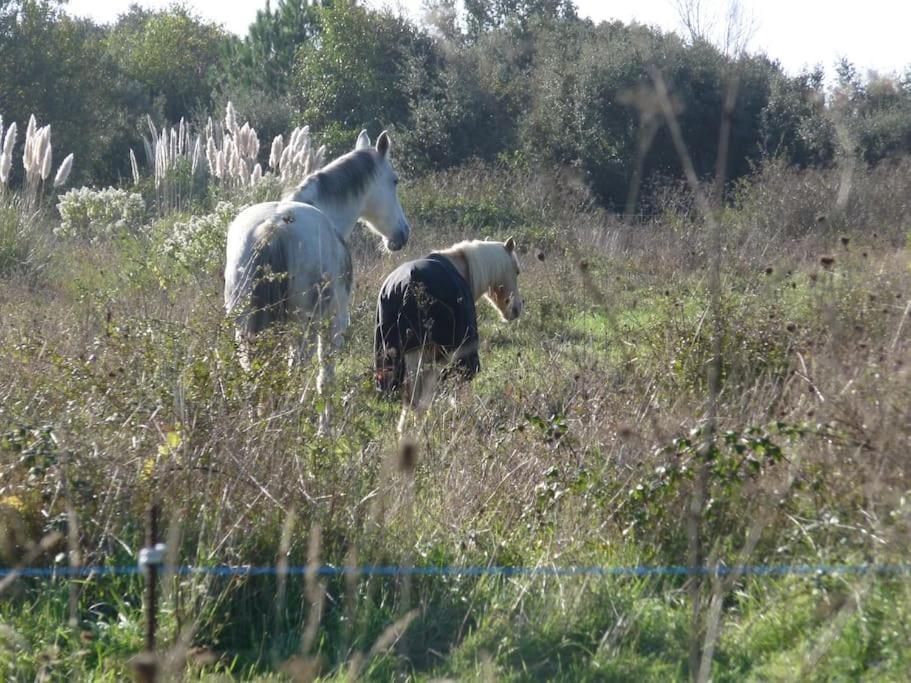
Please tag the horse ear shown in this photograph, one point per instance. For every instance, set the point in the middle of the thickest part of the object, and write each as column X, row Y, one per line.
column 383, row 143
column 510, row 245
column 363, row 140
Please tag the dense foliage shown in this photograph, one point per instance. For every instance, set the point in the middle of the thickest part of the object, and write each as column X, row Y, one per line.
column 520, row 81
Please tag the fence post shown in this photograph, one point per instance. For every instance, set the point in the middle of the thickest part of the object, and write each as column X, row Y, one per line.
column 146, row 664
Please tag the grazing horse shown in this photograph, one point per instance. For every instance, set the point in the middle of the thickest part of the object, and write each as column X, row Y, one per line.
column 289, row 261
column 426, row 315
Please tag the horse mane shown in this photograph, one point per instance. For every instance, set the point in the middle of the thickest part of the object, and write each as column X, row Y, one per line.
column 342, row 179
column 488, row 263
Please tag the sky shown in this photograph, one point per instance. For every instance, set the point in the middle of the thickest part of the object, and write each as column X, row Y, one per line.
column 799, row 33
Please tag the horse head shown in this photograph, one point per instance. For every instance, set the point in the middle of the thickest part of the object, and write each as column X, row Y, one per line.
column 382, row 209
column 504, row 289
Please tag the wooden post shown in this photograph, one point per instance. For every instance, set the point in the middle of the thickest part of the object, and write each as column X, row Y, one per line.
column 146, row 664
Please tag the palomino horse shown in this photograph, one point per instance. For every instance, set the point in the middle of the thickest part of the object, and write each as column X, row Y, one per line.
column 289, row 261
column 426, row 315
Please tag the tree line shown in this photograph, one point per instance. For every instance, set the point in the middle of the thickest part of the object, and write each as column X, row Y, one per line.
column 500, row 81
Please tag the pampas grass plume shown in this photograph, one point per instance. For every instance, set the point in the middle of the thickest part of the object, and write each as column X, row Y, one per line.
column 6, row 163
column 197, row 155
column 275, row 156
column 9, row 141
column 134, row 166
column 230, row 118
column 63, row 173
column 47, row 159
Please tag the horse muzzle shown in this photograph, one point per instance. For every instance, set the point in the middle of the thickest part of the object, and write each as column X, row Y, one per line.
column 400, row 239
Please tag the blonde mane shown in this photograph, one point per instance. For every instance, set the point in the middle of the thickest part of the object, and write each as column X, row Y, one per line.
column 489, row 264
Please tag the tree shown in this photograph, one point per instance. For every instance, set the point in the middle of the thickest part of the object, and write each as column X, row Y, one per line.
column 173, row 55
column 266, row 56
column 58, row 69
column 352, row 77
column 795, row 124
column 482, row 16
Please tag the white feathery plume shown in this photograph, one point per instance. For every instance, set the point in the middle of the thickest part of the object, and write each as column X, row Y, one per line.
column 253, row 151
column 211, row 154
column 6, row 163
column 181, row 137
column 9, row 141
column 28, row 151
column 63, row 173
column 149, row 150
column 172, row 145
column 134, row 166
column 230, row 118
column 197, row 155
column 286, row 157
column 275, row 154
column 47, row 156
column 161, row 153
column 319, row 158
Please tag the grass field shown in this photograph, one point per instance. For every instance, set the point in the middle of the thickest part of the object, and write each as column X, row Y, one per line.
column 583, row 442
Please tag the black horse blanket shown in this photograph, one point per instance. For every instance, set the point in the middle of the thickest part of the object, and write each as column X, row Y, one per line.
column 421, row 302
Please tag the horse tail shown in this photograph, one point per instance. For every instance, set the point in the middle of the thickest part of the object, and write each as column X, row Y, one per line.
column 268, row 268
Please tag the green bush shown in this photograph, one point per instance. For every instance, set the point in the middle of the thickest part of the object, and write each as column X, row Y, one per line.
column 94, row 215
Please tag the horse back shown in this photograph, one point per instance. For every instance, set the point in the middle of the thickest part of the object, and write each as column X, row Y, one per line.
column 284, row 259
column 424, row 304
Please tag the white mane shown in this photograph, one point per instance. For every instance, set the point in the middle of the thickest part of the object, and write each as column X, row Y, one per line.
column 489, row 263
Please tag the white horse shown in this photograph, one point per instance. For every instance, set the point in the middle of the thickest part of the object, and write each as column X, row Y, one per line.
column 289, row 261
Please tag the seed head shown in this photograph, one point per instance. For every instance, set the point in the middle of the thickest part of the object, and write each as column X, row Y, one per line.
column 9, row 141
column 63, row 173
column 230, row 118
column 275, row 155
column 6, row 163
column 47, row 160
column 134, row 166
column 408, row 456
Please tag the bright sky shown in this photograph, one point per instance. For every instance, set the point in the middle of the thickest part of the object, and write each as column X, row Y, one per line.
column 800, row 33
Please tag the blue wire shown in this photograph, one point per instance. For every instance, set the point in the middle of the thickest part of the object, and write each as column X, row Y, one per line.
column 326, row 570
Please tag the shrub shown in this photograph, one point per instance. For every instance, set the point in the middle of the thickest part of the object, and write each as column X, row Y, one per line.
column 96, row 214
column 199, row 242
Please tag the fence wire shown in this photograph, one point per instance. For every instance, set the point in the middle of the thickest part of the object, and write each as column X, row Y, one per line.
column 506, row 571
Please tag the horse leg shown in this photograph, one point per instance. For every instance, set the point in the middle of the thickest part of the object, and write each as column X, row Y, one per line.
column 420, row 383
column 327, row 349
column 303, row 344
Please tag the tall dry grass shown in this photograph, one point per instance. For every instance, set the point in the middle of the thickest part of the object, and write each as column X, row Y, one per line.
column 573, row 446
